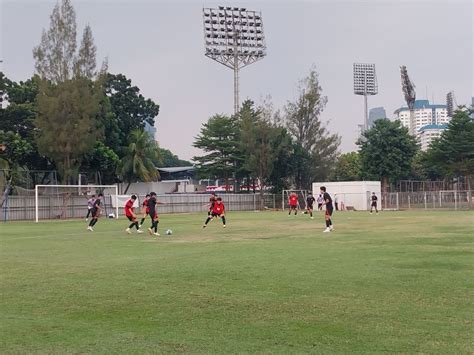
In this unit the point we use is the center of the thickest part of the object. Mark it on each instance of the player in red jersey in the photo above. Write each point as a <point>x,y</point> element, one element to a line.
<point>212,202</point>
<point>145,209</point>
<point>293,202</point>
<point>218,210</point>
<point>130,213</point>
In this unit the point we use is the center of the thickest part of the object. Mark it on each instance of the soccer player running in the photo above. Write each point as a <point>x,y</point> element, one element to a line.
<point>329,209</point>
<point>132,217</point>
<point>374,203</point>
<point>95,211</point>
<point>90,203</point>
<point>145,209</point>
<point>152,211</point>
<point>218,210</point>
<point>309,204</point>
<point>293,202</point>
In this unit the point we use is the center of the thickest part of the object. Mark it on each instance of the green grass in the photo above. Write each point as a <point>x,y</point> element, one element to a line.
<point>397,282</point>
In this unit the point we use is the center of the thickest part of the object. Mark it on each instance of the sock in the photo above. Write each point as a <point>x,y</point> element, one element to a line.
<point>91,223</point>
<point>330,221</point>
<point>327,223</point>
<point>94,221</point>
<point>131,225</point>
<point>208,220</point>
<point>143,220</point>
<point>223,220</point>
<point>311,214</point>
<point>289,213</point>
<point>137,226</point>
<point>156,227</point>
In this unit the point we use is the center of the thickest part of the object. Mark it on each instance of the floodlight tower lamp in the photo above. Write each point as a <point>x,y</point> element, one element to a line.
<point>234,37</point>
<point>365,84</point>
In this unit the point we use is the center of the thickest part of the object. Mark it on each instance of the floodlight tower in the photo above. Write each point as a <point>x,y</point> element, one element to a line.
<point>365,83</point>
<point>234,37</point>
<point>410,96</point>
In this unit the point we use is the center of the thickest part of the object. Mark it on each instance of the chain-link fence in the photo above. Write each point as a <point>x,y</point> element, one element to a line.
<point>429,200</point>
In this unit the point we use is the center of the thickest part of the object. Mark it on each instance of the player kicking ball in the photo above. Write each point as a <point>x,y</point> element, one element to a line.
<point>218,210</point>
<point>132,217</point>
<point>329,209</point>
<point>145,210</point>
<point>152,211</point>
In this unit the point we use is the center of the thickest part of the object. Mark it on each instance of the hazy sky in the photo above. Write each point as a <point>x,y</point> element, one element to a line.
<point>160,46</point>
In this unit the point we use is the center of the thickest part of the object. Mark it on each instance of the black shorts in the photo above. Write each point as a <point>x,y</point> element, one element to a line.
<point>95,212</point>
<point>293,207</point>
<point>329,210</point>
<point>213,214</point>
<point>374,204</point>
<point>131,219</point>
<point>309,207</point>
<point>153,214</point>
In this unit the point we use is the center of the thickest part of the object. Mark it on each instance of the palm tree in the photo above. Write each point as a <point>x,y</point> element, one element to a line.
<point>140,155</point>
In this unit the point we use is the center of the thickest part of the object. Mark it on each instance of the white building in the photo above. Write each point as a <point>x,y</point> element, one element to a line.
<point>353,195</point>
<point>428,133</point>
<point>425,114</point>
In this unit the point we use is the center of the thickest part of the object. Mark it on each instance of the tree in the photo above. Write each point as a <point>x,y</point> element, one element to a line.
<point>130,108</point>
<point>386,152</point>
<point>103,162</point>
<point>348,168</point>
<point>137,164</point>
<point>303,122</point>
<point>217,138</point>
<point>257,137</point>
<point>168,159</point>
<point>282,145</point>
<point>69,92</point>
<point>453,152</point>
<point>12,158</point>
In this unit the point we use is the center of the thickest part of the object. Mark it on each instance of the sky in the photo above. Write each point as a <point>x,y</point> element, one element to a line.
<point>160,46</point>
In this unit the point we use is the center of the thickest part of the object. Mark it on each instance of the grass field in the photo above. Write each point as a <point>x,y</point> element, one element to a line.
<point>397,282</point>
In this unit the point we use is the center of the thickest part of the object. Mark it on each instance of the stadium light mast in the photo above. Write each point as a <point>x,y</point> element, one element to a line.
<point>410,96</point>
<point>365,83</point>
<point>233,37</point>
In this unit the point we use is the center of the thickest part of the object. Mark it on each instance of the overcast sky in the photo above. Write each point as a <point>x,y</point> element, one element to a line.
<point>160,46</point>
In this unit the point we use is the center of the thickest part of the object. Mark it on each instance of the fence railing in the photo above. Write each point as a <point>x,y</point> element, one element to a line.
<point>55,207</point>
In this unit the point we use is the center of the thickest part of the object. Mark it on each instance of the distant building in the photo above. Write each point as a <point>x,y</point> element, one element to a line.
<point>150,129</point>
<point>425,114</point>
<point>472,108</point>
<point>375,114</point>
<point>428,133</point>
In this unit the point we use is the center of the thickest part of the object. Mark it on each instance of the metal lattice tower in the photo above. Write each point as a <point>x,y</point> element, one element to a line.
<point>410,96</point>
<point>234,37</point>
<point>365,83</point>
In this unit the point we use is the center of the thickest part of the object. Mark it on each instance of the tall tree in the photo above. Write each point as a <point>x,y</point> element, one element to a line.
<point>130,108</point>
<point>85,65</point>
<point>386,152</point>
<point>218,139</point>
<point>102,162</point>
<point>453,152</point>
<point>348,168</point>
<point>303,121</point>
<point>66,123</point>
<point>137,164</point>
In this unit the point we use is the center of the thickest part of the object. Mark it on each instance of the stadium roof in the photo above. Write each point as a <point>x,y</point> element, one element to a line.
<point>177,169</point>
<point>420,104</point>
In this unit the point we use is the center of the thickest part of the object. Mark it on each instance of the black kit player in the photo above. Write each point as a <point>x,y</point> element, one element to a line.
<point>132,217</point>
<point>145,209</point>
<point>309,204</point>
<point>152,211</point>
<point>374,203</point>
<point>95,211</point>
<point>329,209</point>
<point>218,210</point>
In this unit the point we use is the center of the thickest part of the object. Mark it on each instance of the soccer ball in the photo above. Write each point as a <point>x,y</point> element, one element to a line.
<point>169,232</point>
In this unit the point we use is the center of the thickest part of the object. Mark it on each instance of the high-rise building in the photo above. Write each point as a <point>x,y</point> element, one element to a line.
<point>150,129</point>
<point>375,114</point>
<point>426,134</point>
<point>425,114</point>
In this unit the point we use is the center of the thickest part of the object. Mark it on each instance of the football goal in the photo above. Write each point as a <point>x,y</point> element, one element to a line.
<point>71,201</point>
<point>301,194</point>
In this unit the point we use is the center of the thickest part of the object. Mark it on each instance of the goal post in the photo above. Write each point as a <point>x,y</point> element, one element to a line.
<point>65,192</point>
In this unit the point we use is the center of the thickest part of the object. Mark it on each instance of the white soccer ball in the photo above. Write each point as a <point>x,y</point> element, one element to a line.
<point>169,232</point>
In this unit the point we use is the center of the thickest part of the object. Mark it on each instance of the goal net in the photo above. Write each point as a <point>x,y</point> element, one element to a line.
<point>301,194</point>
<point>72,201</point>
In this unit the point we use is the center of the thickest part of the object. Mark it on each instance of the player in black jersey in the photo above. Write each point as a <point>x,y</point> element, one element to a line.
<point>329,209</point>
<point>374,203</point>
<point>309,204</point>
<point>152,211</point>
<point>95,211</point>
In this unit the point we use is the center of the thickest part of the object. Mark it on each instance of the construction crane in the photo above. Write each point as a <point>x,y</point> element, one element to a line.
<point>410,96</point>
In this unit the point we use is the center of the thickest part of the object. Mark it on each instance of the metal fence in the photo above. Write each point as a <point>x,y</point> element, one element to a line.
<point>452,199</point>
<point>69,207</point>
